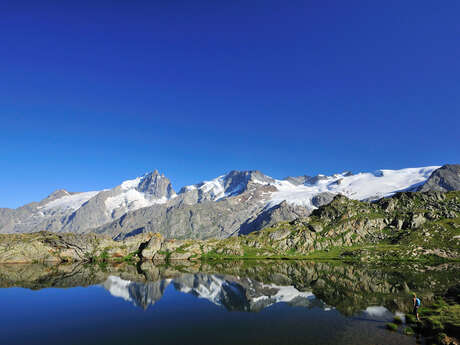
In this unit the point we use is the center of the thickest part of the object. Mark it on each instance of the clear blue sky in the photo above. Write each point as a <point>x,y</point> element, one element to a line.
<point>94,92</point>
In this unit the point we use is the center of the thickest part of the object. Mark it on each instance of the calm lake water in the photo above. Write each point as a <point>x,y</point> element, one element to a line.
<point>242,302</point>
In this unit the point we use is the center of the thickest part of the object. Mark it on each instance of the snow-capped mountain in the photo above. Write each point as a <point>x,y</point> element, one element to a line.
<point>234,203</point>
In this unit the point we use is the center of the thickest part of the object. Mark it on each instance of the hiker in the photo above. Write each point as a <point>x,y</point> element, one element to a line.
<point>416,305</point>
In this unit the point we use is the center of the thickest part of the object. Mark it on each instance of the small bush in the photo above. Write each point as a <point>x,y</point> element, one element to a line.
<point>410,318</point>
<point>392,326</point>
<point>408,331</point>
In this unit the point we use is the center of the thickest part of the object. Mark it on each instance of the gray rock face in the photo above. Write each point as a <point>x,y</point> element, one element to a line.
<point>297,180</point>
<point>315,179</point>
<point>156,185</point>
<point>444,179</point>
<point>322,199</point>
<point>232,216</point>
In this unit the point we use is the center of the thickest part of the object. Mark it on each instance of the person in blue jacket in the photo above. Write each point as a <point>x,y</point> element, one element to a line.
<point>416,306</point>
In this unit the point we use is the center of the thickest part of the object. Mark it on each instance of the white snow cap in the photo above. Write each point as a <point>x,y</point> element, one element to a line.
<point>362,186</point>
<point>70,201</point>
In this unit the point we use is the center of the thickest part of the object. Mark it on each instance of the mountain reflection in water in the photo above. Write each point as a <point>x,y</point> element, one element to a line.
<point>229,292</point>
<point>244,302</point>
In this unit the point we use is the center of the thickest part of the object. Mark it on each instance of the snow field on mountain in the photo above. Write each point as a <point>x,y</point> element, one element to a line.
<point>214,187</point>
<point>362,186</point>
<point>130,200</point>
<point>71,201</point>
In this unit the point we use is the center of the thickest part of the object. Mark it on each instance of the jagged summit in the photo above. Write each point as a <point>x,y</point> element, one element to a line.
<point>233,183</point>
<point>156,185</point>
<point>58,193</point>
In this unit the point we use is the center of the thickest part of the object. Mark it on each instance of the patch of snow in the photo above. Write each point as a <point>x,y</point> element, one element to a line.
<point>260,182</point>
<point>214,187</point>
<point>362,186</point>
<point>216,190</point>
<point>129,184</point>
<point>130,199</point>
<point>70,202</point>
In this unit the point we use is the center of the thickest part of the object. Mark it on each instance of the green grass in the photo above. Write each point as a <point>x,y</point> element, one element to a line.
<point>392,326</point>
<point>410,318</point>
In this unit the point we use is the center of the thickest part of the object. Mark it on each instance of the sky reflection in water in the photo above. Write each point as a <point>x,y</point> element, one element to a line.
<point>208,308</point>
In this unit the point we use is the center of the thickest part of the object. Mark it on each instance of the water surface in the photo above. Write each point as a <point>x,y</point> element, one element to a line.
<point>240,302</point>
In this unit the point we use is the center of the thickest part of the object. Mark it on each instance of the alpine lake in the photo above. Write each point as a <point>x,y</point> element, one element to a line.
<point>268,302</point>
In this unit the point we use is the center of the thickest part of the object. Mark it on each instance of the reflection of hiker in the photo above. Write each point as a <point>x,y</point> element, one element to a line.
<point>416,305</point>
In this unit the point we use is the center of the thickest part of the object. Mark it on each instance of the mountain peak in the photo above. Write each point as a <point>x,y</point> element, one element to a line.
<point>156,185</point>
<point>58,193</point>
<point>446,178</point>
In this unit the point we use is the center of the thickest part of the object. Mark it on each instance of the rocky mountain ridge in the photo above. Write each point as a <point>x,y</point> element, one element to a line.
<point>233,204</point>
<point>406,226</point>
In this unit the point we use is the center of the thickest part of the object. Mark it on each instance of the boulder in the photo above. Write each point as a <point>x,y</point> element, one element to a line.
<point>152,247</point>
<point>417,220</point>
<point>280,234</point>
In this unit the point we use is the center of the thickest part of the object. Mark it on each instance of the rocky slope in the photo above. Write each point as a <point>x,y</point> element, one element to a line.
<point>407,226</point>
<point>48,247</point>
<point>444,179</point>
<point>233,204</point>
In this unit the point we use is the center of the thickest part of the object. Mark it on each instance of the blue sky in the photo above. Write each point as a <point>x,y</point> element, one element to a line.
<point>93,93</point>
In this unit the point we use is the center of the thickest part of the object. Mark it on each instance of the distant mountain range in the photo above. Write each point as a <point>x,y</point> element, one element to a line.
<point>238,202</point>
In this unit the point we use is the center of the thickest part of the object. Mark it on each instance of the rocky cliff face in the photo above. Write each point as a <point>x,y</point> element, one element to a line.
<point>444,179</point>
<point>156,186</point>
<point>47,247</point>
